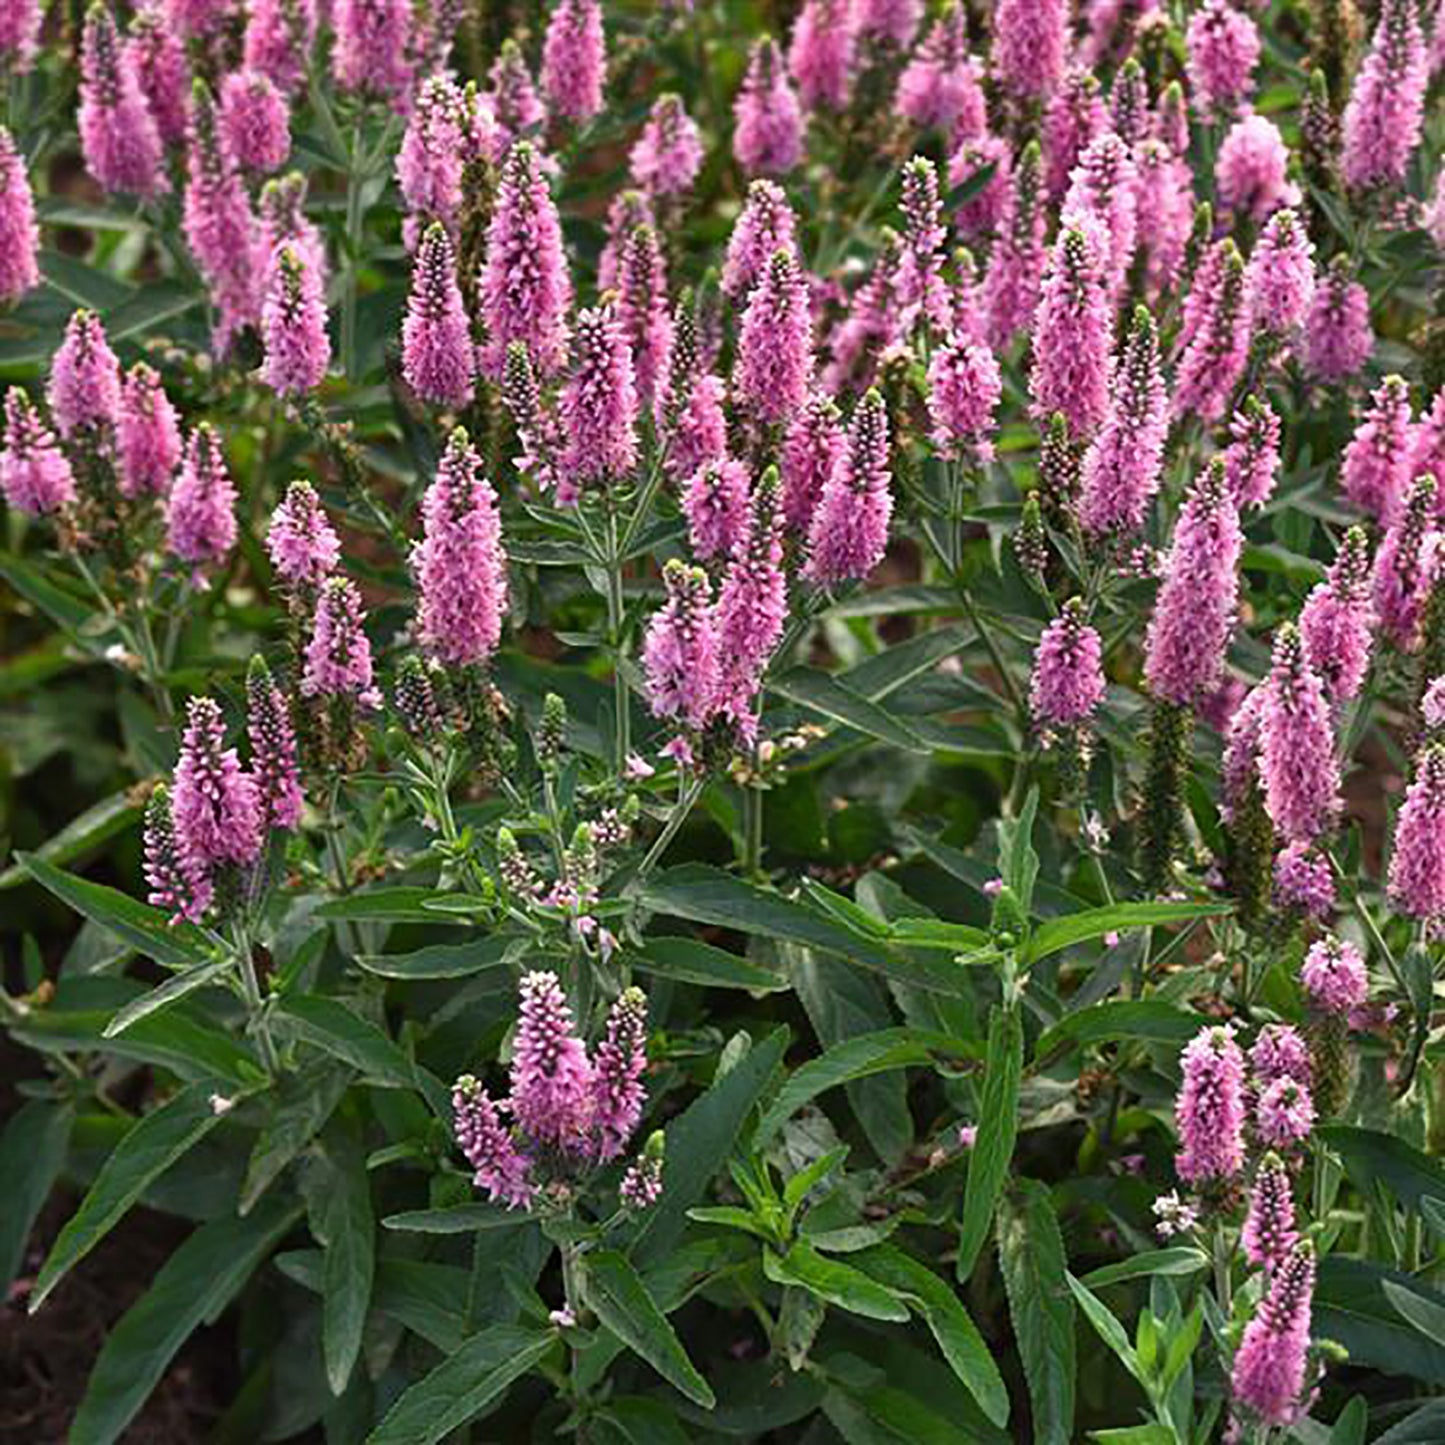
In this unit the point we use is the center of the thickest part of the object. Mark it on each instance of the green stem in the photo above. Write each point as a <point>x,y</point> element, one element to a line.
<point>255,1006</point>
<point>355,177</point>
<point>615,614</point>
<point>688,792</point>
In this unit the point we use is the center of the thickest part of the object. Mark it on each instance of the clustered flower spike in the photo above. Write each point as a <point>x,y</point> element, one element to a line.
<point>302,544</point>
<point>293,326</point>
<point>940,86</point>
<point>1386,110</point>
<point>1279,282</point>
<point>618,1066</point>
<point>775,345</point>
<point>1406,566</point>
<point>279,36</point>
<point>201,511</point>
<point>460,567</point>
<point>147,434</point>
<point>275,770</point>
<point>964,387</point>
<point>338,656</point>
<point>1073,333</point>
<point>1209,1111</point>
<point>35,476</point>
<point>680,651</point>
<point>20,23</point>
<point>213,803</point>
<point>19,235</point>
<point>1333,976</point>
<point>438,359</point>
<point>500,1167</point>
<point>83,391</point>
<point>643,310</point>
<point>768,123</point>
<point>118,134</point>
<point>1030,39</point>
<point>1224,48</point>
<point>552,1078</point>
<point>431,159</point>
<point>1417,862</point>
<point>1252,456</point>
<point>821,54</point>
<point>1269,1235</point>
<point>1269,1367</point>
<point>1218,340</point>
<point>1068,676</point>
<point>574,59</point>
<point>372,53</point>
<point>162,69</point>
<point>1336,621</point>
<point>255,123</point>
<point>599,406</point>
<point>668,155</point>
<point>849,533</point>
<point>765,226</point>
<point>1375,468</point>
<point>812,449</point>
<point>1338,337</point>
<point>1297,746</point>
<point>176,885</point>
<point>716,506</point>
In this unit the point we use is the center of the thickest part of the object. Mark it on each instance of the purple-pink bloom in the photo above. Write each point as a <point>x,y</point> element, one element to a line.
<point>1194,610</point>
<point>1279,1052</point>
<point>964,387</point>
<point>432,156</point>
<point>621,1059</point>
<point>20,22</point>
<point>574,59</point>
<point>164,73</point>
<point>1298,766</point>
<point>1337,618</point>
<point>1250,170</point>
<point>821,54</point>
<point>1285,1113</point>
<point>1209,1111</point>
<point>197,19</point>
<point>499,1166</point>
<point>716,506</point>
<point>849,533</point>
<point>1406,567</point>
<point>1218,348</point>
<point>147,434</point>
<point>1385,114</point>
<point>765,226</point>
<point>940,86</point>
<point>19,235</point>
<point>1011,286</point>
<point>1252,457</point>
<point>279,36</point>
<point>774,367</point>
<point>768,123</point>
<point>1068,673</point>
<point>985,213</point>
<point>1375,470</point>
<point>688,411</point>
<point>552,1078</point>
<point>34,474</point>
<point>1269,1234</point>
<point>175,883</point>
<point>517,108</point>
<point>1417,861</point>
<point>201,509</point>
<point>284,222</point>
<point>921,293</point>
<point>1338,335</point>
<point>255,122</point>
<point>1268,1378</point>
<point>1279,282</point>
<point>1304,881</point>
<point>525,288</point>
<point>1239,769</point>
<point>1105,186</point>
<point>275,770</point>
<point>643,311</point>
<point>1165,191</point>
<point>812,448</point>
<point>301,542</point>
<point>1074,334</point>
<point>889,22</point>
<point>293,326</point>
<point>437,355</point>
<point>598,406</point>
<point>1333,975</point>
<point>338,655</point>
<point>1224,48</point>
<point>667,156</point>
<point>372,51</point>
<point>1074,116</point>
<point>1030,44</point>
<point>118,134</point>
<point>680,652</point>
<point>213,803</point>
<point>83,390</point>
<point>460,565</point>
<point>641,1186</point>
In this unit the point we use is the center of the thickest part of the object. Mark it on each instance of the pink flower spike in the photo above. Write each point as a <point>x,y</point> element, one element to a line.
<point>598,407</point>
<point>214,804</point>
<point>500,1167</point>
<point>438,359</point>
<point>1285,1114</point>
<point>293,326</point>
<point>84,386</point>
<point>1406,567</point>
<point>1279,282</point>
<point>1337,619</point>
<point>643,311</point>
<point>255,122</point>
<point>1375,471</point>
<point>768,129</point>
<point>822,54</point>
<point>35,477</point>
<point>372,51</point>
<point>1250,170</point>
<point>1224,48</point>
<point>716,505</point>
<point>1300,771</point>
<point>849,534</point>
<point>775,346</point>
<point>20,22</point>
<point>1333,976</point>
<point>765,226</point>
<point>1209,1111</point>
<point>1338,336</point>
<point>338,656</point>
<point>574,60</point>
<point>1068,678</point>
<point>275,770</point>
<point>1385,115</point>
<point>1030,42</point>
<point>812,448</point>
<point>148,434</point>
<point>940,88</point>
<point>964,388</point>
<point>1073,333</point>
<point>680,651</point>
<point>552,1078</point>
<point>1417,860</point>
<point>118,134</point>
<point>303,547</point>
<point>279,36</point>
<point>19,235</point>
<point>1268,1379</point>
<point>668,154</point>
<point>201,510</point>
<point>1269,1235</point>
<point>163,71</point>
<point>1251,459</point>
<point>176,884</point>
<point>617,1092</point>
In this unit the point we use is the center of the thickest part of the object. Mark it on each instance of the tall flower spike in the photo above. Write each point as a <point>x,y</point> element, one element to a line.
<point>1406,567</point>
<point>460,567</point>
<point>1209,1111</point>
<point>716,505</point>
<point>438,359</point>
<point>1268,1379</point>
<point>1374,472</point>
<point>1166,213</point>
<point>850,528</point>
<point>1215,356</point>
<point>821,54</point>
<point>643,310</point>
<point>274,767</point>
<point>1269,1235</point>
<point>1068,678</point>
<point>628,211</point>
<point>668,155</point>
<point>985,165</point>
<point>1337,617</point>
<point>20,23</point>
<point>752,608</point>
<point>1224,48</point>
<point>34,474</point>
<point>768,124</point>
<point>887,22</point>
<point>293,326</point>
<point>552,1078</point>
<point>1124,463</point>
<point>255,122</point>
<point>118,134</point>
<point>765,226</point>
<point>1386,112</point>
<point>500,1167</point>
<point>1194,611</point>
<point>83,390</point>
<point>574,59</point>
<point>1073,335</point>
<point>922,293</point>
<point>1252,457</point>
<point>1333,976</point>
<point>283,222</point>
<point>279,36</point>
<point>775,346</point>
<point>1030,44</point>
<point>525,288</point>
<point>1297,746</point>
<point>19,235</point>
<point>338,656</point>
<point>964,388</point>
<point>518,108</point>
<point>213,804</point>
<point>680,652</point>
<point>1250,173</point>
<point>940,86</point>
<point>201,510</point>
<point>147,435</point>
<point>1279,282</point>
<point>1015,273</point>
<point>431,159</point>
<point>1074,116</point>
<point>162,70</point>
<point>303,547</point>
<point>1417,862</point>
<point>372,50</point>
<point>1338,335</point>
<point>689,409</point>
<point>598,406</point>
<point>812,449</point>
<point>1104,186</point>
<point>1279,1052</point>
<point>617,1092</point>
<point>176,884</point>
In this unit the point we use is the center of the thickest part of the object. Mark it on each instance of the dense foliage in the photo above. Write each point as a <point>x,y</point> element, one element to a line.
<point>722,738</point>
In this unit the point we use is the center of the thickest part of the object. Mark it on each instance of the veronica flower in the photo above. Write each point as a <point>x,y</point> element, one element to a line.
<point>598,406</point>
<point>1074,116</point>
<point>1209,1111</point>
<point>201,509</point>
<point>621,1058</point>
<point>255,123</point>
<point>176,884</point>
<point>213,803</point>
<point>19,235</point>
<point>552,1078</point>
<point>988,159</point>
<point>148,434</point>
<point>83,390</point>
<point>689,407</point>
<point>1279,1052</point>
<point>338,656</point>
<point>922,294</point>
<point>574,59</point>
<point>680,651</point>
<point>1406,567</point>
<point>765,226</point>
<point>716,506</point>
<point>438,358</point>
<point>1073,334</point>
<point>1030,41</point>
<point>890,22</point>
<point>500,1167</point>
<point>870,325</point>
<point>1374,471</point>
<point>20,23</point>
<point>964,388</point>
<point>813,446</point>
<point>1269,1367</point>
<point>940,88</point>
<point>275,771</point>
<point>1269,1234</point>
<point>279,36</point>
<point>1417,860</point>
<point>1249,171</point>
<point>1386,110</point>
<point>768,124</point>
<point>1338,336</point>
<point>1279,282</point>
<point>1068,676</point>
<point>1014,278</point>
<point>35,477</point>
<point>196,19</point>
<point>1252,457</point>
<point>293,326</point>
<point>162,71</point>
<point>432,156</point>
<point>1104,186</point>
<point>118,134</point>
<point>283,222</point>
<point>821,54</point>
<point>301,542</point>
<point>1297,746</point>
<point>460,566</point>
<point>1224,48</point>
<point>849,533</point>
<point>1304,881</point>
<point>1336,620</point>
<point>1165,205</point>
<point>1217,351</point>
<point>515,103</point>
<point>1333,976</point>
<point>775,346</point>
<point>642,310</point>
<point>667,156</point>
<point>371,53</point>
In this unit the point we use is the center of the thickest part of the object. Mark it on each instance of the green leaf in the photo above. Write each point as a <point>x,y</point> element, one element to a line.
<point>173,989</point>
<point>32,1151</point>
<point>146,929</point>
<point>831,1280</point>
<point>61,606</point>
<point>459,1219</point>
<point>301,1103</point>
<point>1351,1423</point>
<point>1425,1426</point>
<point>836,701</point>
<point>89,830</point>
<point>463,1387</point>
<point>957,1336</point>
<point>992,1152</point>
<point>1428,1316</point>
<point>1109,1329</point>
<point>340,1198</point>
<point>194,1286</point>
<point>1151,1434</point>
<point>1033,1263</point>
<point>1351,1306</point>
<point>688,960</point>
<point>156,303</point>
<point>1060,933</point>
<point>856,1058</point>
<point>445,960</point>
<point>621,1301</point>
<point>936,933</point>
<point>1180,1259</point>
<point>1018,862</point>
<point>1371,1157</point>
<point>148,1149</point>
<point>1122,1019</point>
<point>638,1420</point>
<point>388,905</point>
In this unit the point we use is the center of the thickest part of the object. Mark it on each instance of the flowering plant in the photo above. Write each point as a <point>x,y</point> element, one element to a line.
<point>715,734</point>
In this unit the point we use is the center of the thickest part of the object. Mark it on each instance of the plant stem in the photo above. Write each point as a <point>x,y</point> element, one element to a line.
<point>255,1006</point>
<point>688,792</point>
<point>355,177</point>
<point>615,614</point>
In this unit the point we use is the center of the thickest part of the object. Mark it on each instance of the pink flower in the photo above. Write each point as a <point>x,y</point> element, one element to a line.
<point>176,884</point>
<point>118,134</point>
<point>940,86</point>
<point>1285,1114</point>
<point>1417,862</point>
<point>372,52</point>
<point>196,19</point>
<point>984,214</point>
<point>432,155</point>
<point>680,652</point>
<point>1014,279</point>
<point>1386,110</point>
<point>716,504</point>
<point>891,22</point>
<point>1123,465</point>
<point>525,288</point>
<point>849,533</point>
<point>460,566</point>
<point>1298,766</point>
<point>275,771</point>
<point>517,108</point>
<point>20,22</point>
<point>621,1058</point>
<point>1336,620</point>
<point>668,154</point>
<point>1030,40</point>
<point>279,36</point>
<point>1375,470</point>
<point>213,804</point>
<point>1303,881</point>
<point>964,388</point>
<point>500,1167</point>
<point>775,346</point>
<point>255,122</point>
<point>812,447</point>
<point>34,474</point>
<point>765,226</point>
<point>201,510</point>
<point>1269,1367</point>
<point>1279,1053</point>
<point>338,656</point>
<point>148,434</point>
<point>768,125</point>
<point>1166,212</point>
<point>19,235</point>
<point>1209,1111</point>
<point>552,1078</point>
<point>598,406</point>
<point>1249,171</point>
<point>1406,567</point>
<point>1194,610</point>
<point>642,310</point>
<point>1279,282</point>
<point>822,52</point>
<point>1252,457</point>
<point>162,70</point>
<point>438,358</point>
<point>1073,334</point>
<point>1217,326</point>
<point>641,1186</point>
<point>1074,116</point>
<point>574,59</point>
<point>1104,186</point>
<point>303,547</point>
<point>84,386</point>
<point>1239,773</point>
<point>293,326</point>
<point>1338,337</point>
<point>1068,676</point>
<point>1333,975</point>
<point>1223,51</point>
<point>689,408</point>
<point>284,223</point>
<point>1269,1234</point>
